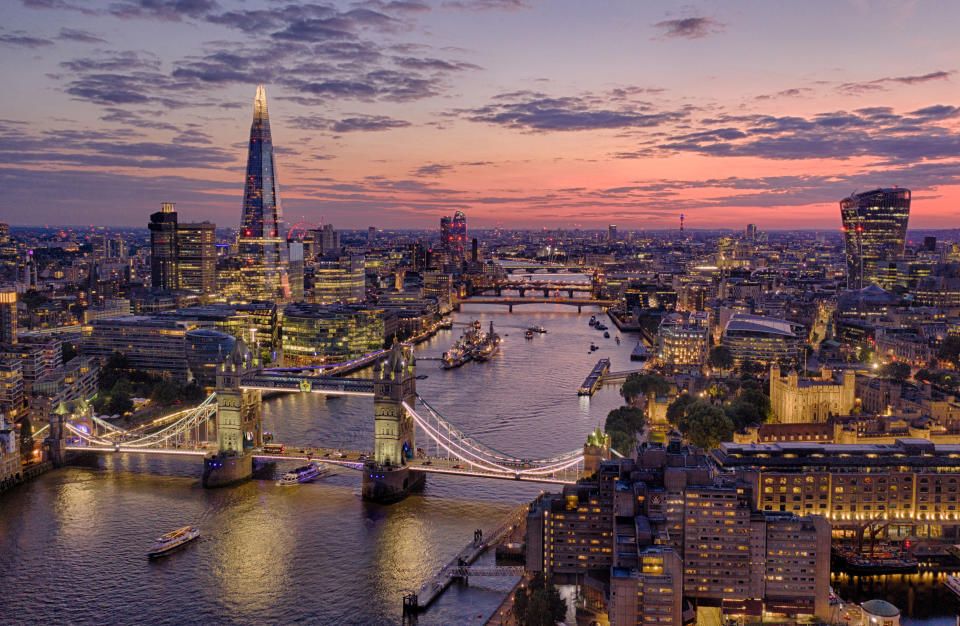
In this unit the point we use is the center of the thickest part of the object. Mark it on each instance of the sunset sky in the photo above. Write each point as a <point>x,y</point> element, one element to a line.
<point>518,112</point>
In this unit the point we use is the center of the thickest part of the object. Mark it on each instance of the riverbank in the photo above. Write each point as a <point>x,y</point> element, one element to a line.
<point>27,474</point>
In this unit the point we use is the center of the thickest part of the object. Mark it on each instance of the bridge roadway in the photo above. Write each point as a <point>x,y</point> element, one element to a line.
<point>329,385</point>
<point>354,459</point>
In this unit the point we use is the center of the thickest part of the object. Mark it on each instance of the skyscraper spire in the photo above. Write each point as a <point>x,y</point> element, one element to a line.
<point>261,245</point>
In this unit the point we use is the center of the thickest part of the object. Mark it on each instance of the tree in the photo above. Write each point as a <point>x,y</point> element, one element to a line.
<point>750,367</point>
<point>678,408</point>
<point>950,350</point>
<point>706,425</point>
<point>165,393</point>
<point>69,351</point>
<point>540,604</point>
<point>896,371</point>
<point>622,425</point>
<point>721,358</point>
<point>640,385</point>
<point>759,400</point>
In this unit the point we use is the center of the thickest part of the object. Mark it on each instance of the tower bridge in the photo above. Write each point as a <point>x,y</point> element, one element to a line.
<point>391,469</point>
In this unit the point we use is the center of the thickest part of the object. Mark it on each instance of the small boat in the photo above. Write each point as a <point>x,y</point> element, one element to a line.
<point>606,334</point>
<point>953,584</point>
<point>528,334</point>
<point>537,329</point>
<point>593,320</point>
<point>165,544</point>
<point>303,474</point>
<point>618,340</point>
<point>594,347</point>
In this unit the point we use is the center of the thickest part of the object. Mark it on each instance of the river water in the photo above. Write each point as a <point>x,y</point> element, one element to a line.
<point>73,542</point>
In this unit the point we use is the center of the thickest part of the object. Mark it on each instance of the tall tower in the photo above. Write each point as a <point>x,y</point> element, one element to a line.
<point>260,243</point>
<point>386,478</point>
<point>874,232</point>
<point>163,248</point>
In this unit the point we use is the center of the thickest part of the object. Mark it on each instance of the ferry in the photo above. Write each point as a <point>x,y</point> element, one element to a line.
<point>455,357</point>
<point>537,329</point>
<point>953,584</point>
<point>166,544</point>
<point>882,562</point>
<point>303,474</point>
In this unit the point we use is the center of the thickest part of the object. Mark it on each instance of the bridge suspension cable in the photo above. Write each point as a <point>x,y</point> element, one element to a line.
<point>191,419</point>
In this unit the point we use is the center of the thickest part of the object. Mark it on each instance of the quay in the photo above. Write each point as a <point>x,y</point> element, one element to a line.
<point>458,566</point>
<point>594,379</point>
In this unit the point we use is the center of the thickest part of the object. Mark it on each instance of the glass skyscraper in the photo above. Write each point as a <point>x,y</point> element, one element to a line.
<point>260,243</point>
<point>453,236</point>
<point>874,231</point>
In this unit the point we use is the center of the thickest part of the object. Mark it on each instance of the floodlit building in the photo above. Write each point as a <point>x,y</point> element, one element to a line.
<point>874,232</point>
<point>796,401</point>
<point>340,280</point>
<point>314,334</point>
<point>684,341</point>
<point>763,339</point>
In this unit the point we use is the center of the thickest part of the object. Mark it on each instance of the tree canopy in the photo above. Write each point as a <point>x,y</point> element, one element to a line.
<point>721,357</point>
<point>539,604</point>
<point>638,385</point>
<point>897,371</point>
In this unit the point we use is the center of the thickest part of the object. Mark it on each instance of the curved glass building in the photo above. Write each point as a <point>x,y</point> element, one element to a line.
<point>206,348</point>
<point>874,231</point>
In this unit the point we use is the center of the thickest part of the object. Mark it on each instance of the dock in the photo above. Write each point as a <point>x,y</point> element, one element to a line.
<point>459,564</point>
<point>594,379</point>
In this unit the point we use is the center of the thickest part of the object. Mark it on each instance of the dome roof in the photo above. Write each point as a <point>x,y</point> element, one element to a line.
<point>880,608</point>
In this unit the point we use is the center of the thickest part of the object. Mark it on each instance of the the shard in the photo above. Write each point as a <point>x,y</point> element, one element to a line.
<point>261,244</point>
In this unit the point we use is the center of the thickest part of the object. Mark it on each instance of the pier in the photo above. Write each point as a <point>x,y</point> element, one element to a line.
<point>594,379</point>
<point>459,565</point>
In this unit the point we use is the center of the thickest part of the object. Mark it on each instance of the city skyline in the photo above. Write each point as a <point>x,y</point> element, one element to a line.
<point>518,113</point>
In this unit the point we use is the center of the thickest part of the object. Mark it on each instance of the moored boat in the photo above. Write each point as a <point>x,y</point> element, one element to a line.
<point>528,334</point>
<point>165,544</point>
<point>953,584</point>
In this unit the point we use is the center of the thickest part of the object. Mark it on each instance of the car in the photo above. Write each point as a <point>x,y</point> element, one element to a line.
<point>327,455</point>
<point>458,466</point>
<point>428,462</point>
<point>363,457</point>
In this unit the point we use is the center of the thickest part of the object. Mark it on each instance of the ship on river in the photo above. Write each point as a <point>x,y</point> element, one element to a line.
<point>473,345</point>
<point>488,346</point>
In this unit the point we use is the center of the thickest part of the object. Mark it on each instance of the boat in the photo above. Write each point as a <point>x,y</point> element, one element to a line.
<point>594,347</point>
<point>454,357</point>
<point>593,320</point>
<point>488,346</point>
<point>537,329</point>
<point>528,334</point>
<point>618,340</point>
<point>600,326</point>
<point>953,584</point>
<point>304,474</point>
<point>606,334</point>
<point>165,544</point>
<point>885,562</point>
<point>640,353</point>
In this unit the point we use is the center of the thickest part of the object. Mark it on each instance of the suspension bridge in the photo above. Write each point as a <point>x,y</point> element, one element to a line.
<point>225,429</point>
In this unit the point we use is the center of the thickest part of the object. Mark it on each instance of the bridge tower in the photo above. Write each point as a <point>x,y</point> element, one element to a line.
<point>386,477</point>
<point>55,443</point>
<point>238,421</point>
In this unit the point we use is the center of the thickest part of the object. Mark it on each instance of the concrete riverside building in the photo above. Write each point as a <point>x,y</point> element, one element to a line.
<point>913,484</point>
<point>646,534</point>
<point>796,401</point>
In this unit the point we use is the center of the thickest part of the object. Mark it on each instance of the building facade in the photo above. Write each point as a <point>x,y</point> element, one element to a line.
<point>763,339</point>
<point>684,342</point>
<point>874,232</point>
<point>340,280</point>
<point>314,334</point>
<point>796,401</point>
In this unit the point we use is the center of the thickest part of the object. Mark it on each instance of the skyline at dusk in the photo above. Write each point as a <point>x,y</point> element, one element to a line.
<point>519,113</point>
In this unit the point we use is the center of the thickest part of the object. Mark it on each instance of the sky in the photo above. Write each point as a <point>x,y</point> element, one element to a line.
<point>521,113</point>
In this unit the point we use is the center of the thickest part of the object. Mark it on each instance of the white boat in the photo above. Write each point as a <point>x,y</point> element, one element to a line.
<point>173,540</point>
<point>303,474</point>
<point>953,584</point>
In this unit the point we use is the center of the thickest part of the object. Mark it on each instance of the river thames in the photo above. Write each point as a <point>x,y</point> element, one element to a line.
<point>73,542</point>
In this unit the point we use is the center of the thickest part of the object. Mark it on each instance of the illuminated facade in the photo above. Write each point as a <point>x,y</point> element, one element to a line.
<point>163,248</point>
<point>684,341</point>
<point>11,387</point>
<point>453,236</point>
<point>8,316</point>
<point>260,243</point>
<point>148,343</point>
<point>760,338</point>
<point>340,280</point>
<point>182,256</point>
<point>875,231</point>
<point>912,483</point>
<point>796,401</point>
<point>314,334</point>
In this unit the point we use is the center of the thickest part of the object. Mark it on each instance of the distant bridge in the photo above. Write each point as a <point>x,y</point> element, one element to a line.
<point>510,302</point>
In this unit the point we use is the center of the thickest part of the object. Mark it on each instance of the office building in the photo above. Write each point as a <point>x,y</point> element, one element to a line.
<point>763,339</point>
<point>453,236</point>
<point>261,246</point>
<point>197,257</point>
<point>612,232</point>
<point>796,401</point>
<point>149,343</point>
<point>163,248</point>
<point>913,485</point>
<point>340,280</point>
<point>8,315</point>
<point>751,232</point>
<point>314,334</point>
<point>295,252</point>
<point>10,472</point>
<point>874,232</point>
<point>684,340</point>
<point>11,387</point>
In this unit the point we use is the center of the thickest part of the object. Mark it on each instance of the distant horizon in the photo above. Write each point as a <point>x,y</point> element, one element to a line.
<point>515,111</point>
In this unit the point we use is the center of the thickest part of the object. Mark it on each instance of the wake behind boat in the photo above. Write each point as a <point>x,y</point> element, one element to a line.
<point>165,544</point>
<point>303,474</point>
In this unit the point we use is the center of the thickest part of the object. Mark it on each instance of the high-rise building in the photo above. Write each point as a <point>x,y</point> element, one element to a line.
<point>163,248</point>
<point>4,232</point>
<point>340,280</point>
<point>329,240</point>
<point>197,257</point>
<point>751,232</point>
<point>453,236</point>
<point>261,245</point>
<point>875,231</point>
<point>8,316</point>
<point>371,235</point>
<point>612,232</point>
<point>295,269</point>
<point>182,256</point>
